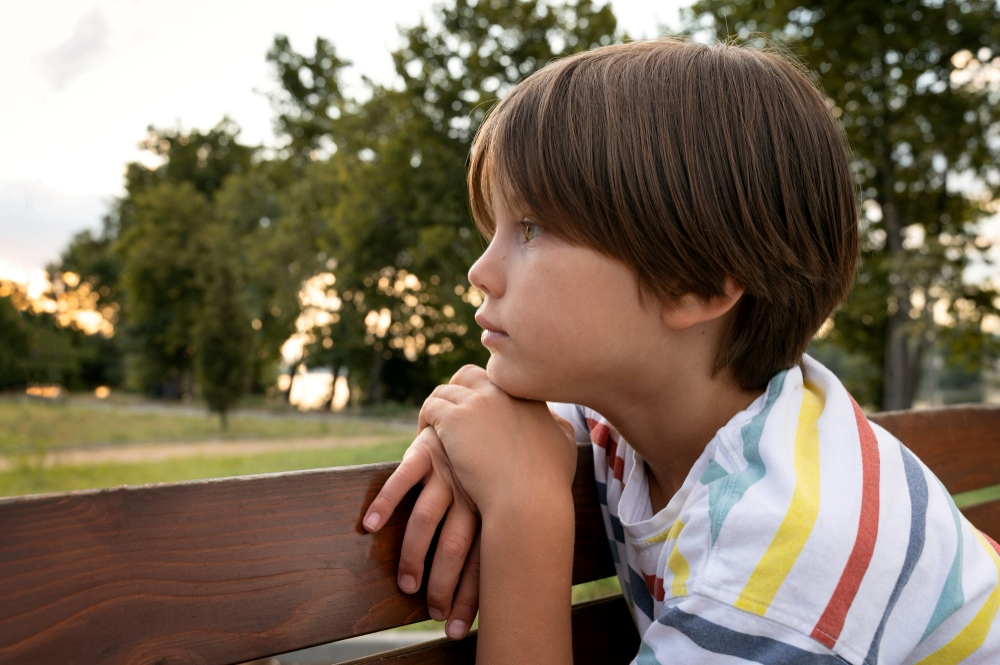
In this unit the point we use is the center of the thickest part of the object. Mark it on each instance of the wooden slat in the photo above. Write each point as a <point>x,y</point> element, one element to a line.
<point>986,517</point>
<point>603,633</point>
<point>961,445</point>
<point>219,571</point>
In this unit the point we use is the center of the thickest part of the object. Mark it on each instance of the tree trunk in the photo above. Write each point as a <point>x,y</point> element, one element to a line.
<point>376,391</point>
<point>896,379</point>
<point>899,371</point>
<point>223,420</point>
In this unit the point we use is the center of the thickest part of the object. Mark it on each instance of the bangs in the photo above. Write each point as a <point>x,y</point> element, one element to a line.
<point>514,164</point>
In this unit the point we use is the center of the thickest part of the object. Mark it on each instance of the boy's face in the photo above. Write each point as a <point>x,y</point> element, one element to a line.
<point>562,322</point>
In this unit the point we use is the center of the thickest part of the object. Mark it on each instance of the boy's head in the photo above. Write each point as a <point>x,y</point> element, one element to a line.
<point>688,163</point>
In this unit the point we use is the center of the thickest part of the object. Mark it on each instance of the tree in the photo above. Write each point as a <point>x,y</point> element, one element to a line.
<point>222,336</point>
<point>163,252</point>
<point>908,83</point>
<point>15,344</point>
<point>401,231</point>
<point>154,249</point>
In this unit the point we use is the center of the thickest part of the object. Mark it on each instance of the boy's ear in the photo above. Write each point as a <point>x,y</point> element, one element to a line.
<point>690,310</point>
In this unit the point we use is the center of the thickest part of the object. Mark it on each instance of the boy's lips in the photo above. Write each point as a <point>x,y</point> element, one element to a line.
<point>491,331</point>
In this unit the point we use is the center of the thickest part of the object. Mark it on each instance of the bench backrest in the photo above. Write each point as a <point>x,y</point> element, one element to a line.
<point>228,570</point>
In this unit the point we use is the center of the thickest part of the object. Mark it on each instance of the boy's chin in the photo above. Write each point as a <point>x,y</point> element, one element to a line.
<point>516,383</point>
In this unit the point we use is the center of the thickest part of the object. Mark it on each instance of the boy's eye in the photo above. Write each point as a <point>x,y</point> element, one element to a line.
<point>530,230</point>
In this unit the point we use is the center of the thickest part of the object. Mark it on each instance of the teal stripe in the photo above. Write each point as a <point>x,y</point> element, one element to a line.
<point>713,473</point>
<point>646,656</point>
<point>952,597</point>
<point>726,491</point>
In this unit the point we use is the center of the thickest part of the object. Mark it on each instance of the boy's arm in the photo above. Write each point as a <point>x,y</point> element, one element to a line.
<point>518,464</point>
<point>525,584</point>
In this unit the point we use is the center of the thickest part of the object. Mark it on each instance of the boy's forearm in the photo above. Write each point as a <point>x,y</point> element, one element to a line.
<point>525,584</point>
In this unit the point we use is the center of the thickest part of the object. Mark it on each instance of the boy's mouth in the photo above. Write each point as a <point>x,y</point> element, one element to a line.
<point>491,332</point>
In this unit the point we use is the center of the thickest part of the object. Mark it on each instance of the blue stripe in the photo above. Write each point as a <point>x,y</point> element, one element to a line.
<point>641,598</point>
<point>713,473</point>
<point>917,485</point>
<point>754,648</point>
<point>614,550</point>
<point>616,529</point>
<point>646,656</point>
<point>952,598</point>
<point>725,492</point>
<point>602,493</point>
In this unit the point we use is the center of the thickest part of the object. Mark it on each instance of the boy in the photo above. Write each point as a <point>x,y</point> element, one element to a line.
<point>669,225</point>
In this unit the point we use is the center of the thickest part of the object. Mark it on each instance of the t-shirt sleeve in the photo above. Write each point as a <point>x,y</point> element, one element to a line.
<point>700,631</point>
<point>573,413</point>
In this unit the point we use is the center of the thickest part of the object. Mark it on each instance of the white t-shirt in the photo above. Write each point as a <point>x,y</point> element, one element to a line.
<point>803,534</point>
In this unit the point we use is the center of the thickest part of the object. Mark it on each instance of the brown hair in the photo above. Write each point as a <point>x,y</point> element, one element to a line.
<point>687,163</point>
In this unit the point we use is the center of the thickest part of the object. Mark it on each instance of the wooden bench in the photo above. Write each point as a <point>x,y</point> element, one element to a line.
<point>231,570</point>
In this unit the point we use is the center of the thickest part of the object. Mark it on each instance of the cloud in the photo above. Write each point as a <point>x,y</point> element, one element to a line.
<point>78,54</point>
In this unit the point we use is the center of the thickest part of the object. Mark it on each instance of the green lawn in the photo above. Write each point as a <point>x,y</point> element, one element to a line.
<point>29,477</point>
<point>31,426</point>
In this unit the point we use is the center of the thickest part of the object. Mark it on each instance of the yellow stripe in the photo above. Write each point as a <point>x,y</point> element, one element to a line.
<point>974,634</point>
<point>677,564</point>
<point>672,532</point>
<point>798,523</point>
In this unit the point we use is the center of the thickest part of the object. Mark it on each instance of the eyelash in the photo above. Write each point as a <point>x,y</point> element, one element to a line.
<point>530,230</point>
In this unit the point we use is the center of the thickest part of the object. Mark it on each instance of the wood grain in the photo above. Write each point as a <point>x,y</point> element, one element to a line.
<point>961,445</point>
<point>603,634</point>
<point>218,571</point>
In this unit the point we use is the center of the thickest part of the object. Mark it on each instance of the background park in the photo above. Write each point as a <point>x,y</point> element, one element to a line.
<point>233,283</point>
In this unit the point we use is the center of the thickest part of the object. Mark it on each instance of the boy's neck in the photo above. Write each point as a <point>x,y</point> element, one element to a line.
<point>669,423</point>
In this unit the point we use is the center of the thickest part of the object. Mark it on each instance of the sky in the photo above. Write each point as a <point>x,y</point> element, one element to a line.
<point>80,81</point>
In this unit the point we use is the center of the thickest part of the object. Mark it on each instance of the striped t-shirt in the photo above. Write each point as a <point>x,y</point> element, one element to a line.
<point>803,534</point>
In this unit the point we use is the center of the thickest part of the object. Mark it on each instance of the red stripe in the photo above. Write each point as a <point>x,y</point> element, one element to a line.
<point>619,469</point>
<point>613,452</point>
<point>655,585</point>
<point>991,542</point>
<point>830,624</point>
<point>598,432</point>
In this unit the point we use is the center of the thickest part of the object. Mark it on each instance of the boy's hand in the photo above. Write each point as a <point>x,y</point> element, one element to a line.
<point>453,585</point>
<point>505,452</point>
<point>516,440</point>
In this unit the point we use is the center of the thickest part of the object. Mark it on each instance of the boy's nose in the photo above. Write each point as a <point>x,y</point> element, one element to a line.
<point>485,274</point>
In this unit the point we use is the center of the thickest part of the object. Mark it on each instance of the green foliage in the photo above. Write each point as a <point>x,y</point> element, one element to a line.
<point>222,338</point>
<point>163,252</point>
<point>34,349</point>
<point>903,78</point>
<point>15,342</point>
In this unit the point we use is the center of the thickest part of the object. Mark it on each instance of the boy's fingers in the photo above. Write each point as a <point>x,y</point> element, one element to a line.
<point>466,603</point>
<point>441,398</point>
<point>470,376</point>
<point>414,468</point>
<point>434,409</point>
<point>453,546</point>
<point>430,508</point>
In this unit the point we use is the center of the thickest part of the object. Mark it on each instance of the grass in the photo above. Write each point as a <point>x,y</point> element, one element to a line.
<point>29,477</point>
<point>974,497</point>
<point>32,426</point>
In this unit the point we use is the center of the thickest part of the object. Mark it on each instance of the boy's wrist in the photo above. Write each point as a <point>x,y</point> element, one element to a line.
<point>536,504</point>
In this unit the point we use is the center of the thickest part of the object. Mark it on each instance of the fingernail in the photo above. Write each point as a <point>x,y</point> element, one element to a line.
<point>435,613</point>
<point>407,583</point>
<point>455,628</point>
<point>372,520</point>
